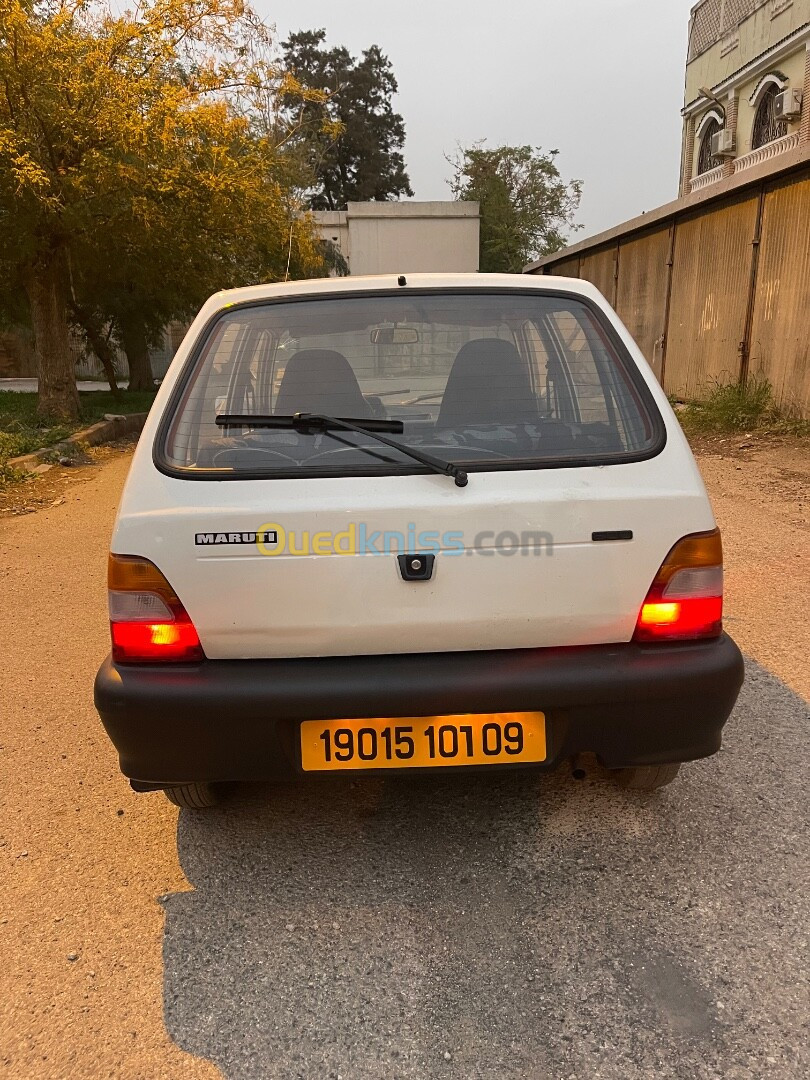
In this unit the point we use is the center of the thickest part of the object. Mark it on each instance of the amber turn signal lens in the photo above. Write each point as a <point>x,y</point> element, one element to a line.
<point>699,549</point>
<point>130,573</point>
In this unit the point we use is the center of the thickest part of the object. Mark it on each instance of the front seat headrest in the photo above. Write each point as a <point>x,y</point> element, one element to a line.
<point>320,381</point>
<point>488,384</point>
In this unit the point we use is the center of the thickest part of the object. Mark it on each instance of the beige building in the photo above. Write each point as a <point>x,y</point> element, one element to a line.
<point>747,95</point>
<point>714,286</point>
<point>404,237</point>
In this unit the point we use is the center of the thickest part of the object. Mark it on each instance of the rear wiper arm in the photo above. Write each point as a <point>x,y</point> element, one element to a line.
<point>310,422</point>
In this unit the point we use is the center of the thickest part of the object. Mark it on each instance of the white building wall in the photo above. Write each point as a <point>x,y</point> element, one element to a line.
<point>405,237</point>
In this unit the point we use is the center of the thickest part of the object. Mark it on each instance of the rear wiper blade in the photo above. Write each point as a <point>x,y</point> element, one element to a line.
<point>311,422</point>
<point>298,422</point>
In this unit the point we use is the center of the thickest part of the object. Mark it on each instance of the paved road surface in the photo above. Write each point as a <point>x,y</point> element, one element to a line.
<point>30,385</point>
<point>529,928</point>
<point>460,928</point>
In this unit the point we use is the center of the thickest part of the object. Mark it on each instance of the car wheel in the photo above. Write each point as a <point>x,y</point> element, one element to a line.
<point>647,777</point>
<point>192,796</point>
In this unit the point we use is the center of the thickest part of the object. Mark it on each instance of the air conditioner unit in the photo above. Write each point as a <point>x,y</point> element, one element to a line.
<point>723,143</point>
<point>788,104</point>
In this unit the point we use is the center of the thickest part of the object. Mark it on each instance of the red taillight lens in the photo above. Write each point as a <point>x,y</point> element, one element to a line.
<point>147,620</point>
<point>155,641</point>
<point>685,602</point>
<point>685,619</point>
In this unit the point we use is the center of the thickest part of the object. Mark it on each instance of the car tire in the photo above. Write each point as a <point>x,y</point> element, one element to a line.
<point>647,777</point>
<point>192,796</point>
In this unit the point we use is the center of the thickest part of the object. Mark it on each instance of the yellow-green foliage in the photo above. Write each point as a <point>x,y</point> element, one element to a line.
<point>156,119</point>
<point>145,161</point>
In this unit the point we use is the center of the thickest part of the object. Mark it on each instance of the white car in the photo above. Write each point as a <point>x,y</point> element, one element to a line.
<point>416,522</point>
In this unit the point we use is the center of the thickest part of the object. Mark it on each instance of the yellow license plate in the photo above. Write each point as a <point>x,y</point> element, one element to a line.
<point>423,742</point>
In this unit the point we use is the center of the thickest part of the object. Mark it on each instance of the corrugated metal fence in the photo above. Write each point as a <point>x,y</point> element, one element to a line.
<point>716,292</point>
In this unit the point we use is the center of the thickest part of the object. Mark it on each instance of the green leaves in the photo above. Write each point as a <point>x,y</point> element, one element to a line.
<point>351,140</point>
<point>526,207</point>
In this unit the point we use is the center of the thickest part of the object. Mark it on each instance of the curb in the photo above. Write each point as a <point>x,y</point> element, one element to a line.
<point>107,430</point>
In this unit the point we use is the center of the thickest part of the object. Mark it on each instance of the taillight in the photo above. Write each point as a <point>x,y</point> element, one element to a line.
<point>685,601</point>
<point>147,620</point>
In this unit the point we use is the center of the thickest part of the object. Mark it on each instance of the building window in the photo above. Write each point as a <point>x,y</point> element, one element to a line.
<point>706,160</point>
<point>778,6</point>
<point>766,126</point>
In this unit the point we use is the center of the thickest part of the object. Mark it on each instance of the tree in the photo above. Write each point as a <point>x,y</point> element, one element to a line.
<point>526,207</point>
<point>220,210</point>
<point>359,157</point>
<point>141,166</point>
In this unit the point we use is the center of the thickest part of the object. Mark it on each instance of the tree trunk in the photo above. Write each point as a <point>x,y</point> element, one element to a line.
<point>135,345</point>
<point>45,289</point>
<point>101,347</point>
<point>97,342</point>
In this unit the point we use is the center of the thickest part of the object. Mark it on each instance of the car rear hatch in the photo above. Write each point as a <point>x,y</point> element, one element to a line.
<point>280,543</point>
<point>517,562</point>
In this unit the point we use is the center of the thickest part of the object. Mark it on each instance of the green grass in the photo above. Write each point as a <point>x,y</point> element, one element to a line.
<point>739,408</point>
<point>21,431</point>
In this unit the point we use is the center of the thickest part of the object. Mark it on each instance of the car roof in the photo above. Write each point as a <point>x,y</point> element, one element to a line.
<point>345,286</point>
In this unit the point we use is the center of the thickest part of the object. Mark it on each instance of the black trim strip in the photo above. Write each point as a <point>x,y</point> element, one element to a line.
<point>617,534</point>
<point>513,465</point>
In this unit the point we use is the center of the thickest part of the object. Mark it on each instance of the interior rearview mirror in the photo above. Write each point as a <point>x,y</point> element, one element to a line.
<point>394,335</point>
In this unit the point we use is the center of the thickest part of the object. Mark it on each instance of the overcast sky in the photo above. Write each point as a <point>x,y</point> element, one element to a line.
<point>599,80</point>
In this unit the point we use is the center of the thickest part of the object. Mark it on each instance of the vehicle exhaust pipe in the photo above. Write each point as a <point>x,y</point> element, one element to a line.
<point>579,766</point>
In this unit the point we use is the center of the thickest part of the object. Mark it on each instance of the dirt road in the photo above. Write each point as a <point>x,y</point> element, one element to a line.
<point>761,499</point>
<point>84,860</point>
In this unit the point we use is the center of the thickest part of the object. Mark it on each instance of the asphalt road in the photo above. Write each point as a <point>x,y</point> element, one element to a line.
<point>30,385</point>
<point>496,927</point>
<point>513,928</point>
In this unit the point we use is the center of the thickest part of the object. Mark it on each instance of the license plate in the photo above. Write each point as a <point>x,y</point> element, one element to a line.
<point>423,742</point>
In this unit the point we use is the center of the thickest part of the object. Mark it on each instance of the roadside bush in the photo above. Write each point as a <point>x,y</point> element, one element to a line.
<point>741,407</point>
<point>24,441</point>
<point>22,431</point>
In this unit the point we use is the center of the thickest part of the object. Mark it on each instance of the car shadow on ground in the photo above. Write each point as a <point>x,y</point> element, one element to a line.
<point>502,925</point>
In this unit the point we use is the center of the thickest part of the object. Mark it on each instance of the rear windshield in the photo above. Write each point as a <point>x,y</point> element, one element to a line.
<point>484,380</point>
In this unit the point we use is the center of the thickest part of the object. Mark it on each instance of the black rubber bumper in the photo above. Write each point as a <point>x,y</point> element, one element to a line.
<point>239,719</point>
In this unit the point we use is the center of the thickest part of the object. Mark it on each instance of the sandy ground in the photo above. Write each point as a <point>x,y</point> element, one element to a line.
<point>84,860</point>
<point>761,498</point>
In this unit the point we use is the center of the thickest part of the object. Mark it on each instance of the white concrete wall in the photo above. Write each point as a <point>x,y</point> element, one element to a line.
<point>334,228</point>
<point>405,237</point>
<point>400,238</point>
